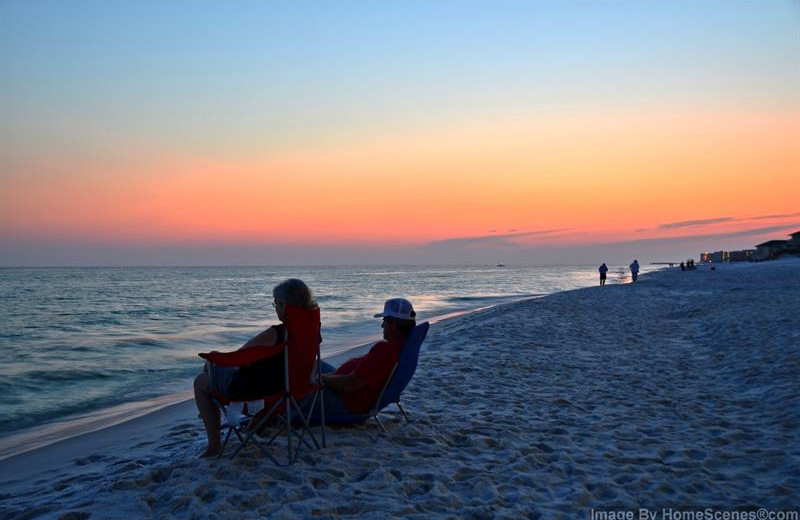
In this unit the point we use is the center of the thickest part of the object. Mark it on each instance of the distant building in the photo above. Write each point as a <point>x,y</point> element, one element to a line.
<point>710,257</point>
<point>770,249</point>
<point>745,255</point>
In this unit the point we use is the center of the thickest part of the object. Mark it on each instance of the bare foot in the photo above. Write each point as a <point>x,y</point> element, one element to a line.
<point>210,452</point>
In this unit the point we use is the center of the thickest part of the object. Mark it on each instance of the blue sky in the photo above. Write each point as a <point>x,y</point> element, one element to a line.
<point>284,69</point>
<point>99,98</point>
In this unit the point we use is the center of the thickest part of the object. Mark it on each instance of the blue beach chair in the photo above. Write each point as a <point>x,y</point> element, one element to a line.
<point>398,380</point>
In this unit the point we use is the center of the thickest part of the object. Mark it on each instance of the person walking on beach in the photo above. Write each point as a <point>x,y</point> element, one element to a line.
<point>603,270</point>
<point>253,381</point>
<point>355,386</point>
<point>634,270</point>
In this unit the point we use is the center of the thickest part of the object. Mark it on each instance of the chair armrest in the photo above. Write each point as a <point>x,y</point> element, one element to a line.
<point>243,357</point>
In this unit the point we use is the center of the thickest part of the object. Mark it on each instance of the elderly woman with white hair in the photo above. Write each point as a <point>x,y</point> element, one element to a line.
<point>253,381</point>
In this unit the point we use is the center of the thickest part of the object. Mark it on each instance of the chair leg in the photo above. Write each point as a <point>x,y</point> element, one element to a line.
<point>380,423</point>
<point>241,445</point>
<point>251,433</point>
<point>306,424</point>
<point>288,411</point>
<point>225,442</point>
<point>322,415</point>
<point>223,412</point>
<point>238,435</point>
<point>293,434</point>
<point>306,428</point>
<point>250,437</point>
<point>408,420</point>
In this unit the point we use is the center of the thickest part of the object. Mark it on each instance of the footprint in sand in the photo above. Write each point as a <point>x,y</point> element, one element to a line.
<point>75,515</point>
<point>205,493</point>
<point>89,460</point>
<point>466,473</point>
<point>694,454</point>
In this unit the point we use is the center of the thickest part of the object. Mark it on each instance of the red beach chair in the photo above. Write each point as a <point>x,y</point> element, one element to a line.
<point>301,355</point>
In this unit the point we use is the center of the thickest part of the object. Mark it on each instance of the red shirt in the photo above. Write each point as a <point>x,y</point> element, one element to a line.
<point>374,369</point>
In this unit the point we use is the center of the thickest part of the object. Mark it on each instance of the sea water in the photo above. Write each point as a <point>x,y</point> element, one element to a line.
<point>77,341</point>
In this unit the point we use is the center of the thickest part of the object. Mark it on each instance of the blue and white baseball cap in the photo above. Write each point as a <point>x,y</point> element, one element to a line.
<point>399,308</point>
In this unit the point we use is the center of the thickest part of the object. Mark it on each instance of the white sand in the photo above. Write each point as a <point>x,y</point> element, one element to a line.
<point>680,391</point>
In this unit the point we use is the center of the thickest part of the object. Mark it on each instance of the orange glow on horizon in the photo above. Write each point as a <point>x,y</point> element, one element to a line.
<point>600,175</point>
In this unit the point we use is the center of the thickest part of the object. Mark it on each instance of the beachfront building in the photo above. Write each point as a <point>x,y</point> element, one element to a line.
<point>716,256</point>
<point>770,249</point>
<point>794,242</point>
<point>744,255</point>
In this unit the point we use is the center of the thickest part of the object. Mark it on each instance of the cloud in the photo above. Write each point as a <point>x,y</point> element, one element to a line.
<point>691,223</point>
<point>711,221</point>
<point>789,215</point>
<point>491,240</point>
<point>486,248</point>
<point>508,241</point>
<point>457,251</point>
<point>714,236</point>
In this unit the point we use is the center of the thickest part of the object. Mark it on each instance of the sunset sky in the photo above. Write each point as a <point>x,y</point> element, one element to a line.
<point>530,132</point>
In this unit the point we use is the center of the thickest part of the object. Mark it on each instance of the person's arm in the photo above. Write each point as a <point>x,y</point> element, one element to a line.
<point>343,383</point>
<point>266,338</point>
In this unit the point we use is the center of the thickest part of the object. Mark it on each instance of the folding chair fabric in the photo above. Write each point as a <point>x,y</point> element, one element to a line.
<point>301,353</point>
<point>398,380</point>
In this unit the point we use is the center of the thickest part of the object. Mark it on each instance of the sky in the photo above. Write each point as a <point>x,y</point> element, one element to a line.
<point>420,132</point>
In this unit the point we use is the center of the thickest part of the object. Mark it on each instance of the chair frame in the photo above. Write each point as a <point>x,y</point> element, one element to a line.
<point>375,411</point>
<point>246,430</point>
<point>377,408</point>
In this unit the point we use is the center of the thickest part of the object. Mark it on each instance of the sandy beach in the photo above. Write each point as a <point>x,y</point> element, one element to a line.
<point>678,392</point>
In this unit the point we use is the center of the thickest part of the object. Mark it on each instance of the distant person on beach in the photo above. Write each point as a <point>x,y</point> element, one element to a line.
<point>354,387</point>
<point>683,267</point>
<point>634,270</point>
<point>603,270</point>
<point>253,381</point>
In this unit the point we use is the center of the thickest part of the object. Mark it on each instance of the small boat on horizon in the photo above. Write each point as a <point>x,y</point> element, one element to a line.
<point>500,264</point>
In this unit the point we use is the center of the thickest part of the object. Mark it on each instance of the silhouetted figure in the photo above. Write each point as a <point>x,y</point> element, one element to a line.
<point>603,270</point>
<point>683,267</point>
<point>634,270</point>
<point>255,380</point>
<point>357,384</point>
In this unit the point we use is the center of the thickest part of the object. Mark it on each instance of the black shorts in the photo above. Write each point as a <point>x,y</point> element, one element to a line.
<point>248,383</point>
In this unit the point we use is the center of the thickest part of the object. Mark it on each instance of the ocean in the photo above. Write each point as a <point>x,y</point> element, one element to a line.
<point>78,342</point>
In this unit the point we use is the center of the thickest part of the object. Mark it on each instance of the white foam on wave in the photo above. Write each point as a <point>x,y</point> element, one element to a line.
<point>39,437</point>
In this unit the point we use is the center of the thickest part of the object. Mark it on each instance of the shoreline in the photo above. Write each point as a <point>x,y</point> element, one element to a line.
<point>679,389</point>
<point>21,443</point>
<point>106,369</point>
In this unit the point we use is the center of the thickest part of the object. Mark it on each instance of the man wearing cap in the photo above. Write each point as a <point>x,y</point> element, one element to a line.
<point>355,386</point>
